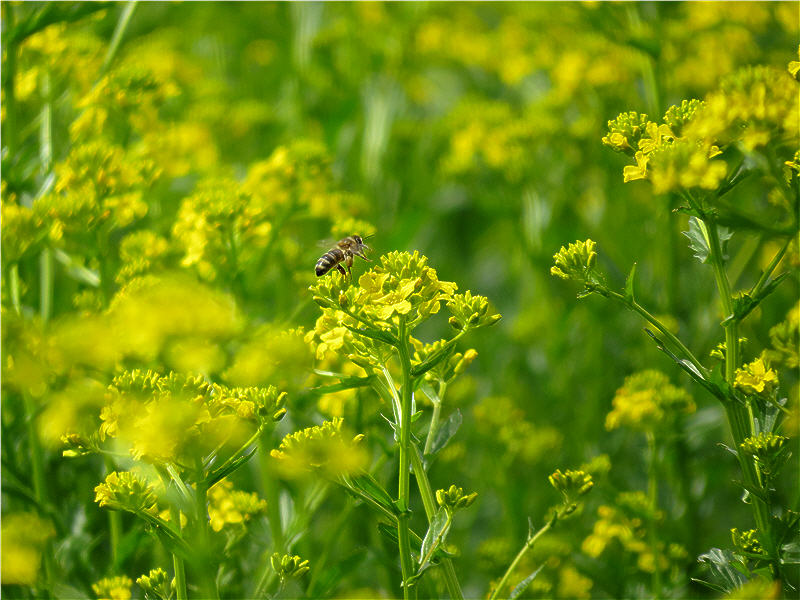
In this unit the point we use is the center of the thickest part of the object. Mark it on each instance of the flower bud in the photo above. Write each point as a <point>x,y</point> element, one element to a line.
<point>455,323</point>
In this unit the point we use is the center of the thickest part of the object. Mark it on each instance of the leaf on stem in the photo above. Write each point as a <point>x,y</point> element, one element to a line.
<point>629,285</point>
<point>700,242</point>
<point>523,585</point>
<point>435,537</point>
<point>445,432</point>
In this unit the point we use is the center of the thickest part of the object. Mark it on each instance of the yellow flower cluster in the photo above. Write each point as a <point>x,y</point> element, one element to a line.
<point>321,447</point>
<point>746,540</point>
<point>24,230</point>
<point>127,98</point>
<point>23,537</point>
<point>646,401</point>
<point>97,182</point>
<point>227,506</point>
<point>754,106</point>
<point>501,421</point>
<point>170,418</point>
<point>156,584</point>
<point>126,491</point>
<point>756,378</point>
<point>576,262</point>
<point>614,524</point>
<point>763,446</point>
<point>113,588</point>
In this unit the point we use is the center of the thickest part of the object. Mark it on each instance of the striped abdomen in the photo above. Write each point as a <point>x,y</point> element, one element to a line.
<point>329,260</point>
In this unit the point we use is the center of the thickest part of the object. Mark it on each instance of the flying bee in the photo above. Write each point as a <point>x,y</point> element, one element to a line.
<point>342,253</point>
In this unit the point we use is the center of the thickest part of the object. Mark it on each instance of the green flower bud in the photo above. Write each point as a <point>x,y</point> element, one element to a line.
<point>572,485</point>
<point>454,499</point>
<point>289,567</point>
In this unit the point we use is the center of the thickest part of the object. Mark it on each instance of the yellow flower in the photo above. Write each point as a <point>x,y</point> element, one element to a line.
<point>228,506</point>
<point>756,378</point>
<point>113,588</point>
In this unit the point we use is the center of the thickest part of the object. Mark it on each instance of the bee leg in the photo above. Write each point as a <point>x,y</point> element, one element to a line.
<point>341,269</point>
<point>349,263</point>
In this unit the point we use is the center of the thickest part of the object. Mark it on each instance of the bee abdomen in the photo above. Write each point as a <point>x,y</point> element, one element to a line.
<point>329,260</point>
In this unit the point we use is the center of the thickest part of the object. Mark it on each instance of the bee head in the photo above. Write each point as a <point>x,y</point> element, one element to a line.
<point>359,250</point>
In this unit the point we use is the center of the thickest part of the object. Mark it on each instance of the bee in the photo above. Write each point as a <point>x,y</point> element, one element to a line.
<point>343,252</point>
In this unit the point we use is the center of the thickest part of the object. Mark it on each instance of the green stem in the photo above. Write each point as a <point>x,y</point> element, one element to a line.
<point>119,32</point>
<point>9,75</point>
<point>205,566</point>
<point>635,306</point>
<point>740,417</point>
<point>14,284</point>
<point>114,521</point>
<point>403,493</point>
<point>528,545</point>
<point>652,496</point>
<point>429,502</point>
<point>37,474</point>
<point>177,561</point>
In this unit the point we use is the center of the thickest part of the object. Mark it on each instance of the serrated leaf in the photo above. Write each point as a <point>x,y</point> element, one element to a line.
<point>523,585</point>
<point>629,285</point>
<point>699,240</point>
<point>446,431</point>
<point>724,574</point>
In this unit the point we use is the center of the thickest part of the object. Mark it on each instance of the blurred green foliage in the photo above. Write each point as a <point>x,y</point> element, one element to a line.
<point>168,170</point>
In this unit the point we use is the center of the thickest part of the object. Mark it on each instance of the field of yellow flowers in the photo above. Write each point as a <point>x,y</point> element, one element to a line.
<point>190,412</point>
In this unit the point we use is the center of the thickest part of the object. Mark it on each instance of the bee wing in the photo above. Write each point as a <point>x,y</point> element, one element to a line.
<point>326,243</point>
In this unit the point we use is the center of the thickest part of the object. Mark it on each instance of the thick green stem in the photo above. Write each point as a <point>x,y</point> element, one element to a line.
<point>740,417</point>
<point>403,492</point>
<point>429,502</point>
<point>528,545</point>
<point>206,570</point>
<point>114,520</point>
<point>177,561</point>
<point>652,497</point>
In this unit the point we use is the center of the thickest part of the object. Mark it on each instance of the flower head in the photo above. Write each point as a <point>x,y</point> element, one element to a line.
<point>321,447</point>
<point>113,588</point>
<point>625,131</point>
<point>125,491</point>
<point>576,262</point>
<point>646,401</point>
<point>227,506</point>
<point>756,378</point>
<point>454,498</point>
<point>156,584</point>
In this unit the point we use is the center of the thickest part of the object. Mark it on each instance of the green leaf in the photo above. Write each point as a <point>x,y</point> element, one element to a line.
<point>375,334</point>
<point>221,473</point>
<point>434,359</point>
<point>629,285</point>
<point>724,575</point>
<point>523,585</point>
<point>346,383</point>
<point>790,553</point>
<point>367,485</point>
<point>435,536</point>
<point>699,240</point>
<point>446,431</point>
<point>77,271</point>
